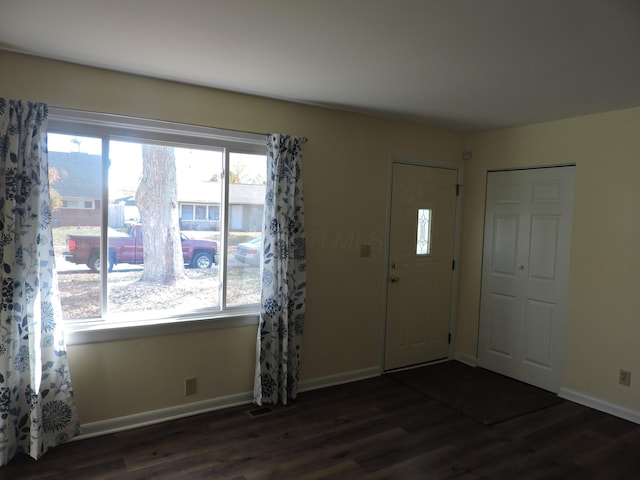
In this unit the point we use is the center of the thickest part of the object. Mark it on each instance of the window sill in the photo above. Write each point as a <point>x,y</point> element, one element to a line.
<point>96,332</point>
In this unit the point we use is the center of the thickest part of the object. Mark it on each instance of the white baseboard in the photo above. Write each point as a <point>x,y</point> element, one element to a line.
<point>601,405</point>
<point>332,380</point>
<point>129,422</point>
<point>466,359</point>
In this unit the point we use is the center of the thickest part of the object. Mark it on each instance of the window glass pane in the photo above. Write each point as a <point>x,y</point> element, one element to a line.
<point>75,171</point>
<point>214,212</point>
<point>423,243</point>
<point>247,178</point>
<point>186,212</point>
<point>201,212</point>
<point>139,281</point>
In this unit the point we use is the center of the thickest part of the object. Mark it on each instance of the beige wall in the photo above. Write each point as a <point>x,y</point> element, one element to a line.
<point>345,164</point>
<point>346,187</point>
<point>603,324</point>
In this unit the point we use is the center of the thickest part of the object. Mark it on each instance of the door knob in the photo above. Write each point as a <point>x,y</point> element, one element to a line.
<point>394,278</point>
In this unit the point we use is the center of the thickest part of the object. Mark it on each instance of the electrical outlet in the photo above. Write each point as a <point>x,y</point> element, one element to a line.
<point>190,386</point>
<point>625,377</point>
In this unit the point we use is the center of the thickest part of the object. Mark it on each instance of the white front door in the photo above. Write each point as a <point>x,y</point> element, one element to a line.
<point>525,274</point>
<point>422,231</point>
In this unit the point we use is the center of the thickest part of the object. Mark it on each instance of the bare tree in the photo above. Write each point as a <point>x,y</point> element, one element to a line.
<point>238,174</point>
<point>157,200</point>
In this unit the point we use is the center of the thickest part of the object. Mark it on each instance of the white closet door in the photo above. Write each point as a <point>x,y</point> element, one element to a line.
<point>525,274</point>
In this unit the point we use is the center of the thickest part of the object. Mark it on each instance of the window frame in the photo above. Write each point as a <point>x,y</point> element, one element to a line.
<point>125,128</point>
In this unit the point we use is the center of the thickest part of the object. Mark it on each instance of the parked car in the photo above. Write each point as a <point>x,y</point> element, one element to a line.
<point>249,252</point>
<point>128,248</point>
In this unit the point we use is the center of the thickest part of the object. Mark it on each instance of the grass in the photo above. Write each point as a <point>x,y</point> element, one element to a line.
<point>80,291</point>
<point>80,287</point>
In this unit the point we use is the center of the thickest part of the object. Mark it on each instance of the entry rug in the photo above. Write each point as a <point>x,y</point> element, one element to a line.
<point>483,395</point>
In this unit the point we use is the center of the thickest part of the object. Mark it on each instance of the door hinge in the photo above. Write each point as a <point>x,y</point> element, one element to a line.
<point>453,264</point>
<point>457,189</point>
<point>449,339</point>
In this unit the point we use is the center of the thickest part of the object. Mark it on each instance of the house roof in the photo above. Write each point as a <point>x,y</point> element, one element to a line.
<point>80,177</point>
<point>79,173</point>
<point>210,192</point>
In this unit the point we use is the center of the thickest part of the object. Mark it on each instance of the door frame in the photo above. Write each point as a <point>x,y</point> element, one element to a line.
<point>459,168</point>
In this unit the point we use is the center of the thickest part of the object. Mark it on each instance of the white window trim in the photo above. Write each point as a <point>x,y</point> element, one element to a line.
<point>79,333</point>
<point>93,123</point>
<point>120,128</point>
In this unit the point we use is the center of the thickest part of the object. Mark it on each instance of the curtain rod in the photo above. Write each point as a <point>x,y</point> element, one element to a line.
<point>304,139</point>
<point>55,112</point>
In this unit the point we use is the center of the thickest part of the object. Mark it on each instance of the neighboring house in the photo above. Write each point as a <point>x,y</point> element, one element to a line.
<point>123,211</point>
<point>79,187</point>
<point>199,202</point>
<point>200,206</point>
<point>246,207</point>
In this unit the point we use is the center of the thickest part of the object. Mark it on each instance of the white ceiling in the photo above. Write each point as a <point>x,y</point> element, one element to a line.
<point>469,65</point>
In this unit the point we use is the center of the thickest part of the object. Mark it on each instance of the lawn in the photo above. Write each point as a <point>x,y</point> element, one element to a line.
<point>80,287</point>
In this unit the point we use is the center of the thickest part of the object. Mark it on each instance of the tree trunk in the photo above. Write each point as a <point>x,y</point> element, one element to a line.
<point>157,200</point>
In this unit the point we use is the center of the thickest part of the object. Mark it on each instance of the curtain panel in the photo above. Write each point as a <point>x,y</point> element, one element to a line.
<point>283,296</point>
<point>36,398</point>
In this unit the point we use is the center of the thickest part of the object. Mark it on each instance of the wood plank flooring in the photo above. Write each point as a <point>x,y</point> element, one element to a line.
<point>373,429</point>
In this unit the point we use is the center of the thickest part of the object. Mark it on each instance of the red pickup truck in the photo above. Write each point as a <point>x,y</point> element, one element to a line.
<point>127,248</point>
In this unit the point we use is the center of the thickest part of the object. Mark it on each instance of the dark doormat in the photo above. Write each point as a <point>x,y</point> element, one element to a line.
<point>486,396</point>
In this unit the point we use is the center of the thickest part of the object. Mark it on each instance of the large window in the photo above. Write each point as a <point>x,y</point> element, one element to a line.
<point>154,185</point>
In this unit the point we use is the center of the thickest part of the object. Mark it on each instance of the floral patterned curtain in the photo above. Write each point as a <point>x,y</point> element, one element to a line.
<point>36,405</point>
<point>284,285</point>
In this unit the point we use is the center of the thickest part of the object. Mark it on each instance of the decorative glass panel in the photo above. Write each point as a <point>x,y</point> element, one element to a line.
<point>423,243</point>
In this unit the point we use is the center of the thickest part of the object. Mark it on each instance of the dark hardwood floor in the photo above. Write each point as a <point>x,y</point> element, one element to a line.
<point>373,429</point>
